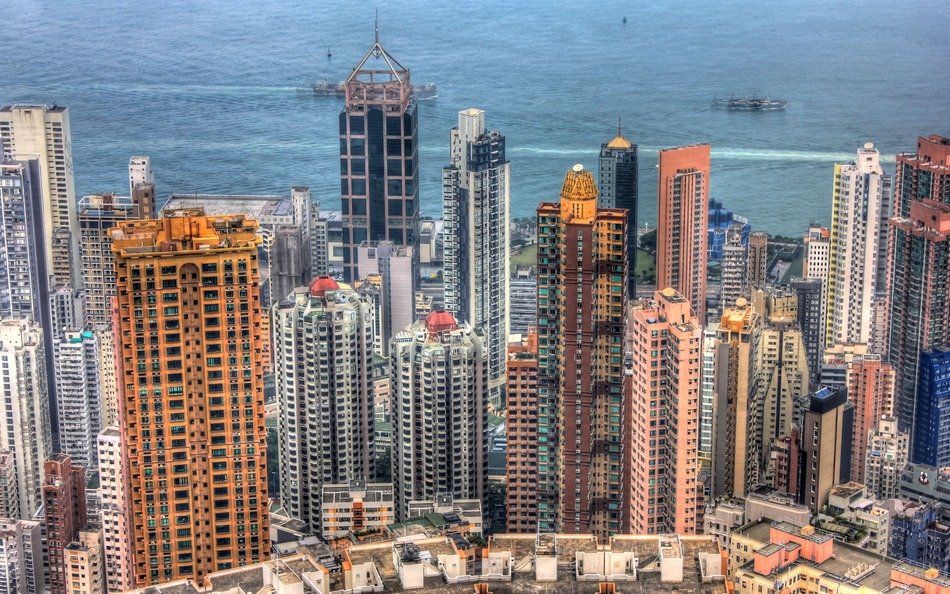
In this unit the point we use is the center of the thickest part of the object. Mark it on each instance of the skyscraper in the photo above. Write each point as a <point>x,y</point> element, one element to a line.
<point>826,446</point>
<point>24,293</point>
<point>860,209</point>
<point>736,385</point>
<point>78,389</point>
<point>25,422</point>
<point>97,215</point>
<point>397,269</point>
<point>521,432</point>
<point>734,269</point>
<point>871,392</point>
<point>324,349</point>
<point>191,393</point>
<point>140,172</point>
<point>379,179</point>
<point>918,266</point>
<point>617,179</point>
<point>21,556</point>
<point>476,201</point>
<point>758,261</point>
<point>681,232</point>
<point>582,410</point>
<point>116,539</point>
<point>64,503</point>
<point>666,495</point>
<point>932,424</point>
<point>810,296</point>
<point>41,132</point>
<point>439,381</point>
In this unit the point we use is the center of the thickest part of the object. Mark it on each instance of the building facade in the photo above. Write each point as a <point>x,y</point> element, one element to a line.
<point>736,385</point>
<point>358,508</point>
<point>324,350</point>
<point>932,424</point>
<point>379,157</point>
<point>758,267</point>
<point>733,269</point>
<point>887,453</point>
<point>98,214</point>
<point>825,446</point>
<point>85,562</point>
<point>78,389</point>
<point>582,297</point>
<point>871,392</point>
<point>191,355</point>
<point>21,557</point>
<point>41,132</point>
<point>860,210</point>
<point>618,177</point>
<point>521,431</point>
<point>440,411</point>
<point>26,419</point>
<point>396,269</point>
<point>681,254</point>
<point>918,264</point>
<point>64,505</point>
<point>114,502</point>
<point>476,200</point>
<point>23,271</point>
<point>666,495</point>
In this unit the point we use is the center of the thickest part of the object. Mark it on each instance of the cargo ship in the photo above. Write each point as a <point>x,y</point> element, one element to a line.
<point>752,103</point>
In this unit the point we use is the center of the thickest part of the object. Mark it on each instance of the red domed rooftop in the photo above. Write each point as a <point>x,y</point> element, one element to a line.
<point>320,285</point>
<point>440,320</point>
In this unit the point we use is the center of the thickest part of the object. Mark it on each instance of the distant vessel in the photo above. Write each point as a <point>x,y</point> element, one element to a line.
<point>426,92</point>
<point>329,55</point>
<point>753,103</point>
<point>325,88</point>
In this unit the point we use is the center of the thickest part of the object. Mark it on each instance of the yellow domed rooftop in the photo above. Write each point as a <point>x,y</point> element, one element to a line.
<point>578,194</point>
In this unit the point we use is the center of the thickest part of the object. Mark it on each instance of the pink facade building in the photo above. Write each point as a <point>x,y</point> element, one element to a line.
<point>871,391</point>
<point>665,339</point>
<point>683,209</point>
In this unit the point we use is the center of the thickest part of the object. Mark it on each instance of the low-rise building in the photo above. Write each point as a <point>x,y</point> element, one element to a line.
<point>854,516</point>
<point>786,557</point>
<point>357,507</point>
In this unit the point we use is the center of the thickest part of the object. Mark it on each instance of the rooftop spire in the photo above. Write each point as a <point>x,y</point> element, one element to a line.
<point>376,25</point>
<point>619,127</point>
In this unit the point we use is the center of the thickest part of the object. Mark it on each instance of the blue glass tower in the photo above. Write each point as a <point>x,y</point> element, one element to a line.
<point>932,420</point>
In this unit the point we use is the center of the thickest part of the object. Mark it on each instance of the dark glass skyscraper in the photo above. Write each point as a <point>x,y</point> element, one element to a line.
<point>379,177</point>
<point>617,173</point>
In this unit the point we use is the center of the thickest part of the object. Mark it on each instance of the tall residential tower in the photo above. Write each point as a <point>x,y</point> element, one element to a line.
<point>190,355</point>
<point>582,295</point>
<point>683,209</point>
<point>476,201</point>
<point>617,179</point>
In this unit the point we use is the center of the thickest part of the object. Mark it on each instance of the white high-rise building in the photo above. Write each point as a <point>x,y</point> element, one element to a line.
<point>439,373</point>
<point>861,209</point>
<point>116,536</point>
<point>25,422</point>
<point>733,266</point>
<point>76,362</point>
<point>323,359</point>
<point>707,393</point>
<point>395,266</point>
<point>815,267</point>
<point>21,556</point>
<point>887,455</point>
<point>84,562</point>
<point>140,171</point>
<point>41,132</point>
<point>476,203</point>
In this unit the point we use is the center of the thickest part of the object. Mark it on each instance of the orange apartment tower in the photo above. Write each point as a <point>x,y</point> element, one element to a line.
<point>191,394</point>
<point>683,208</point>
<point>521,427</point>
<point>582,409</point>
<point>871,391</point>
<point>664,341</point>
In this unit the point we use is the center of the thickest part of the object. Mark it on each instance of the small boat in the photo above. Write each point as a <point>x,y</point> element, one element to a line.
<point>325,88</point>
<point>426,92</point>
<point>329,55</point>
<point>624,20</point>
